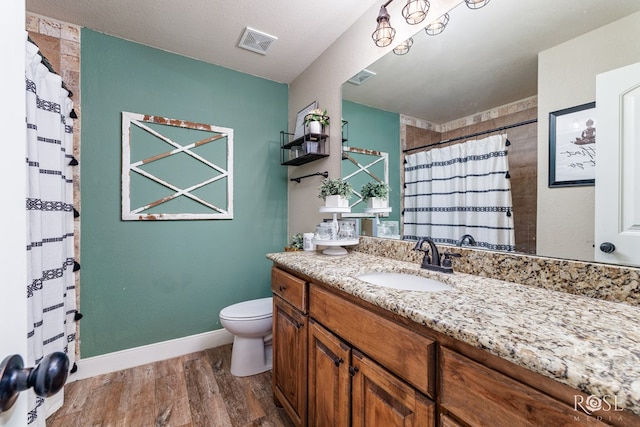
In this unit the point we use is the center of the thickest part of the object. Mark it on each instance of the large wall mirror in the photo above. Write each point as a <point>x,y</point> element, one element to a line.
<point>481,73</point>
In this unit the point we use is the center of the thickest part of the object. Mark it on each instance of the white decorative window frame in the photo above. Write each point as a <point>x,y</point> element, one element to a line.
<point>129,165</point>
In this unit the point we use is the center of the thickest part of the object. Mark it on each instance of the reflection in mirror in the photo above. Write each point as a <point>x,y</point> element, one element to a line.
<point>482,73</point>
<point>373,140</point>
<point>367,166</point>
<point>462,189</point>
<point>522,160</point>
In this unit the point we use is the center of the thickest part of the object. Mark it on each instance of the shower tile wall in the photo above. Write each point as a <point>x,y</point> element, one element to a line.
<point>523,155</point>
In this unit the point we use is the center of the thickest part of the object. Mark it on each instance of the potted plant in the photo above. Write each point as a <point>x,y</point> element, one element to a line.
<point>335,192</point>
<point>296,243</point>
<point>315,121</point>
<point>376,194</point>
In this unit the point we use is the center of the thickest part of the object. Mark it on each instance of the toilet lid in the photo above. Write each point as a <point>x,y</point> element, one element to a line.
<point>253,309</point>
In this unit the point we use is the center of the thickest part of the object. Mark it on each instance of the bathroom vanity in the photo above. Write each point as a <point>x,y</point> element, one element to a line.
<point>486,352</point>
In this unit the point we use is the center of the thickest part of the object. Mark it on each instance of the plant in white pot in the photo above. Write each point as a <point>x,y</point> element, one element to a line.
<point>376,194</point>
<point>315,121</point>
<point>335,192</point>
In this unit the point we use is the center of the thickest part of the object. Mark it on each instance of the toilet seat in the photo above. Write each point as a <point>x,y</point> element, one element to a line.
<point>249,310</point>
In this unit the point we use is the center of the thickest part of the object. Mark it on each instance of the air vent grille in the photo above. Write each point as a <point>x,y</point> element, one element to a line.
<point>361,77</point>
<point>256,41</point>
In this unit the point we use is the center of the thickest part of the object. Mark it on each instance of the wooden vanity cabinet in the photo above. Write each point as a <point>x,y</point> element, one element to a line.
<point>479,396</point>
<point>401,351</point>
<point>365,370</point>
<point>339,362</point>
<point>290,330</point>
<point>347,388</point>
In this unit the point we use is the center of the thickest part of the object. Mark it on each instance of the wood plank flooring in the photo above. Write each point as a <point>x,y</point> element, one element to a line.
<point>195,390</point>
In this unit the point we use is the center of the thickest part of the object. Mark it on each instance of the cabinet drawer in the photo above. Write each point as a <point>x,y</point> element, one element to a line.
<point>289,288</point>
<point>480,396</point>
<point>401,351</point>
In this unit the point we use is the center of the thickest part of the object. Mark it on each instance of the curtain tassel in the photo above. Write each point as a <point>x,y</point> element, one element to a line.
<point>508,143</point>
<point>508,212</point>
<point>507,175</point>
<point>76,266</point>
<point>73,162</point>
<point>73,114</point>
<point>74,368</point>
<point>76,214</point>
<point>77,316</point>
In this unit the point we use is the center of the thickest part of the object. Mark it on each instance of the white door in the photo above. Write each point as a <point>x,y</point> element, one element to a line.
<point>617,215</point>
<point>13,293</point>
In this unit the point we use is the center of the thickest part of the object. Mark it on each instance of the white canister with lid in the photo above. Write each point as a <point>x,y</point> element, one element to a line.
<point>307,242</point>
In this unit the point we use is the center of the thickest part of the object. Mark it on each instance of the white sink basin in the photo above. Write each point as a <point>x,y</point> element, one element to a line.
<point>407,282</point>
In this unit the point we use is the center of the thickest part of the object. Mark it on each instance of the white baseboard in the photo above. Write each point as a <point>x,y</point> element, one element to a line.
<point>132,357</point>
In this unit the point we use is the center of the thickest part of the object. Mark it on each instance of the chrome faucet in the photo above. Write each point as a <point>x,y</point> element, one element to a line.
<point>467,238</point>
<point>431,260</point>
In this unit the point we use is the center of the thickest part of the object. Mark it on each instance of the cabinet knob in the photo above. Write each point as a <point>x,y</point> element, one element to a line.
<point>337,361</point>
<point>607,247</point>
<point>282,288</point>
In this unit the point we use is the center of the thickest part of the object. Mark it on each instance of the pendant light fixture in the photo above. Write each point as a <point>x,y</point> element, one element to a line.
<point>476,4</point>
<point>437,26</point>
<point>415,11</point>
<point>403,48</point>
<point>384,33</point>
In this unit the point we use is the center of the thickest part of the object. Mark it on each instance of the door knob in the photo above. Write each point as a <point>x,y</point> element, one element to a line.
<point>607,247</point>
<point>46,378</point>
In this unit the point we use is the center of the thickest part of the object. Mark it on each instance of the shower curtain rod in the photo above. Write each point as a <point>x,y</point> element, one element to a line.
<point>527,122</point>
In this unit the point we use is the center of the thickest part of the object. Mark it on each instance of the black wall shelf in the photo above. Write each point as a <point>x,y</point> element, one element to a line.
<point>304,149</point>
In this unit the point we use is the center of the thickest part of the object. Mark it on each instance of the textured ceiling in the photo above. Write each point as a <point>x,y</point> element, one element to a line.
<point>485,58</point>
<point>209,30</point>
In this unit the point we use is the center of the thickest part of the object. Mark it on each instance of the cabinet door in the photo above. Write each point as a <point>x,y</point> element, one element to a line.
<point>290,360</point>
<point>329,379</point>
<point>381,399</point>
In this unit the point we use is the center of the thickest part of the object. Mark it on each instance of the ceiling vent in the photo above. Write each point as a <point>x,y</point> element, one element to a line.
<point>256,41</point>
<point>361,77</point>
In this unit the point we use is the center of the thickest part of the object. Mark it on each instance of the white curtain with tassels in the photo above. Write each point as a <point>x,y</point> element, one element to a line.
<point>50,249</point>
<point>460,189</point>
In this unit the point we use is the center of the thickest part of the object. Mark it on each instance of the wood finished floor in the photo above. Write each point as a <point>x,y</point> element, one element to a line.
<point>195,390</point>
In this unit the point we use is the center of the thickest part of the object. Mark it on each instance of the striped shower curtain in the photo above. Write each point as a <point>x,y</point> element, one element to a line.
<point>50,250</point>
<point>460,189</point>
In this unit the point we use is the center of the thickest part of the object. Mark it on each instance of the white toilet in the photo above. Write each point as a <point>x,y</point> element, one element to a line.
<point>250,322</point>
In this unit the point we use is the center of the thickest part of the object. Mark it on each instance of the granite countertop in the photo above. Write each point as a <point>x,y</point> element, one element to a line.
<point>589,344</point>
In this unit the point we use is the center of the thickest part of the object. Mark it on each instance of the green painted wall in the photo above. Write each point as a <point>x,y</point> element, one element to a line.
<point>149,281</point>
<point>375,129</point>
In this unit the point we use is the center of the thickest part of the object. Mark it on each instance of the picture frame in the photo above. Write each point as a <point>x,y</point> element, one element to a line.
<point>572,146</point>
<point>299,129</point>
